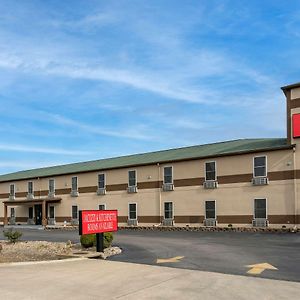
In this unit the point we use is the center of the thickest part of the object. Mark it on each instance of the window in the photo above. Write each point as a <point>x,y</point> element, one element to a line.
<point>101,181</point>
<point>12,190</point>
<point>30,212</point>
<point>210,170</point>
<point>30,187</point>
<point>132,178</point>
<point>168,175</point>
<point>12,212</point>
<point>52,212</point>
<point>74,212</point>
<point>132,211</point>
<point>74,184</point>
<point>260,166</point>
<point>102,207</point>
<point>260,208</point>
<point>210,209</point>
<point>51,186</point>
<point>168,210</point>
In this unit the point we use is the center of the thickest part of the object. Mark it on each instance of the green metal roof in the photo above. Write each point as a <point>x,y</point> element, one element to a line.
<point>200,151</point>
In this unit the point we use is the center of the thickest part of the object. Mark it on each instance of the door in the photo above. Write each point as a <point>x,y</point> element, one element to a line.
<point>38,214</point>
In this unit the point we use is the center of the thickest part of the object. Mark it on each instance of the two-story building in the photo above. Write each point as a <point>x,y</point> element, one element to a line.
<point>248,182</point>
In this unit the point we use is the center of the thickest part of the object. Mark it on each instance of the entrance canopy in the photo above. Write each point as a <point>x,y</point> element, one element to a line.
<point>42,201</point>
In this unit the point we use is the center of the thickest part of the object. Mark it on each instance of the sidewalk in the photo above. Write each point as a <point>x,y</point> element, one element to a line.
<point>98,279</point>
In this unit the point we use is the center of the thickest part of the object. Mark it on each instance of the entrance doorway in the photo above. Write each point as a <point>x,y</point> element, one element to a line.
<point>38,214</point>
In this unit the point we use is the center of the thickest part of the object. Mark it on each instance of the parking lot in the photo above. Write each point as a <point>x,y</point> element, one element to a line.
<point>222,252</point>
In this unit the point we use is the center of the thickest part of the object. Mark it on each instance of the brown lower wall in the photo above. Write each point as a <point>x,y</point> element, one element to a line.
<point>238,219</point>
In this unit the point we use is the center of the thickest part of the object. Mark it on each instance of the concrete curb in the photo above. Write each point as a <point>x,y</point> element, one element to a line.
<point>41,262</point>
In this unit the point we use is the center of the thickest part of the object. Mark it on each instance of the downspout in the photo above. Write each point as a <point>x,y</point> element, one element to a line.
<point>295,185</point>
<point>159,194</point>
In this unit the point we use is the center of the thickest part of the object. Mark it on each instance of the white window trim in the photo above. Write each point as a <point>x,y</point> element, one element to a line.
<point>264,198</point>
<point>172,174</point>
<point>136,214</point>
<point>32,187</point>
<point>14,195</point>
<point>135,177</point>
<point>104,180</point>
<point>72,184</point>
<point>266,168</point>
<point>215,208</point>
<point>104,204</point>
<point>207,162</point>
<point>173,210</point>
<point>51,205</point>
<point>53,185</point>
<point>77,211</point>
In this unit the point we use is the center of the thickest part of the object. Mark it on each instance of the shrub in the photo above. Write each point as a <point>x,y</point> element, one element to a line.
<point>12,235</point>
<point>230,226</point>
<point>89,240</point>
<point>108,238</point>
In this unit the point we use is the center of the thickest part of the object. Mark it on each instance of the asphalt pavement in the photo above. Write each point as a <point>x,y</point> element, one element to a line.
<point>224,252</point>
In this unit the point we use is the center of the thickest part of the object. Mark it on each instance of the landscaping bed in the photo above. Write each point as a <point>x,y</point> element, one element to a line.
<point>33,251</point>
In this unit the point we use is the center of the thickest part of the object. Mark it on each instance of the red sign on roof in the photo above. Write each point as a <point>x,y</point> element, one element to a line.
<point>97,221</point>
<point>296,125</point>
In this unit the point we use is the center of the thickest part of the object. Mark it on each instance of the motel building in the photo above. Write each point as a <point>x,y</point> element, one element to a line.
<point>246,183</point>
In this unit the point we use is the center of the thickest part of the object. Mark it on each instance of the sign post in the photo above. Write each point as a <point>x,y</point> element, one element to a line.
<point>97,222</point>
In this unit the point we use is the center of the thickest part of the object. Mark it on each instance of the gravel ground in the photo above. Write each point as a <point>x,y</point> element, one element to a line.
<point>32,251</point>
<point>42,250</point>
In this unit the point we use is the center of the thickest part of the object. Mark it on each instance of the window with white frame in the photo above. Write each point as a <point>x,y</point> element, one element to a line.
<point>132,211</point>
<point>51,212</point>
<point>260,166</point>
<point>168,175</point>
<point>168,210</point>
<point>102,207</point>
<point>74,212</point>
<point>260,208</point>
<point>101,181</point>
<point>210,209</point>
<point>51,186</point>
<point>210,171</point>
<point>132,178</point>
<point>30,188</point>
<point>12,190</point>
<point>74,184</point>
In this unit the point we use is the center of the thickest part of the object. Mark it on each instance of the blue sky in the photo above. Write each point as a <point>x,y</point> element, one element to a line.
<point>83,80</point>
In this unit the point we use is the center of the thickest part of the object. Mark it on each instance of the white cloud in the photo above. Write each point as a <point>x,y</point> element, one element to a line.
<point>24,148</point>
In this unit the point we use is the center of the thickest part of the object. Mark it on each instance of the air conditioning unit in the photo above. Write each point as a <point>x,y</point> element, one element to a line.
<point>260,181</point>
<point>74,194</point>
<point>132,189</point>
<point>168,187</point>
<point>132,222</point>
<point>51,195</point>
<point>30,196</point>
<point>101,191</point>
<point>12,221</point>
<point>12,197</point>
<point>210,222</point>
<point>168,222</point>
<point>74,222</point>
<point>259,222</point>
<point>210,184</point>
<point>51,221</point>
<point>30,221</point>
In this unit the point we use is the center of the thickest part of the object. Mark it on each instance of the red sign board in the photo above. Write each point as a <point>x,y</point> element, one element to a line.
<point>97,221</point>
<point>296,125</point>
